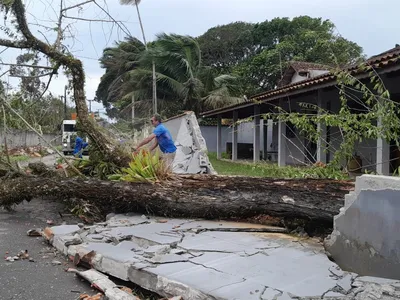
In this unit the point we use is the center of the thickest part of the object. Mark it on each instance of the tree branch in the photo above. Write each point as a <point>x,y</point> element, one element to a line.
<point>15,44</point>
<point>31,41</point>
<point>124,30</point>
<point>35,76</point>
<point>77,5</point>
<point>4,73</point>
<point>91,20</point>
<point>20,14</point>
<point>59,29</point>
<point>28,66</point>
<point>48,83</point>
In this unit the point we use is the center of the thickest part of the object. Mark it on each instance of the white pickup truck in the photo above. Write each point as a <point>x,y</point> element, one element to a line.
<point>68,136</point>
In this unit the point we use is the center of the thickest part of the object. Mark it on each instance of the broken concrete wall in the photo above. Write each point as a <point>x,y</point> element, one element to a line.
<point>365,238</point>
<point>191,154</point>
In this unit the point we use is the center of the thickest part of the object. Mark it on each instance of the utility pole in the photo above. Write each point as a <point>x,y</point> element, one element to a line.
<point>133,109</point>
<point>136,2</point>
<point>90,104</point>
<point>154,88</point>
<point>65,102</point>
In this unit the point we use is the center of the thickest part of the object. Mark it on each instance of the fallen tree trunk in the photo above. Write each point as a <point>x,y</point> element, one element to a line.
<point>199,196</point>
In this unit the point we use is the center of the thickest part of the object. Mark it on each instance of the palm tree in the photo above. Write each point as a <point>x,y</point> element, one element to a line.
<point>183,82</point>
<point>117,61</point>
<point>182,75</point>
<point>136,3</point>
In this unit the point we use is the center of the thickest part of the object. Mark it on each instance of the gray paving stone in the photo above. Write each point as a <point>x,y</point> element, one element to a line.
<point>246,289</point>
<point>155,232</point>
<point>65,229</point>
<point>125,220</point>
<point>230,242</point>
<point>345,283</point>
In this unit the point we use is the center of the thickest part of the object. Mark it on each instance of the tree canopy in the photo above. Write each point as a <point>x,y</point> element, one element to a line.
<point>223,47</point>
<point>218,67</point>
<point>263,50</point>
<point>183,82</point>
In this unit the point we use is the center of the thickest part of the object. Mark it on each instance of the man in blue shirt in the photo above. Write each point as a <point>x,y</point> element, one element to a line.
<point>79,146</point>
<point>163,139</point>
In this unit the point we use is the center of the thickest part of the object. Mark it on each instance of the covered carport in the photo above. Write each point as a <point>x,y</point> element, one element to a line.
<point>320,90</point>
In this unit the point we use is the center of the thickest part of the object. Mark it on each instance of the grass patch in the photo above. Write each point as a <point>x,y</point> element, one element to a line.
<point>271,170</point>
<point>19,158</point>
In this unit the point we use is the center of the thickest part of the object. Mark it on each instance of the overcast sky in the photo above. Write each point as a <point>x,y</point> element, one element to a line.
<point>373,26</point>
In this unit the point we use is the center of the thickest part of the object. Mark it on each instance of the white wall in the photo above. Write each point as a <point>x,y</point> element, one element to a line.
<point>22,138</point>
<point>297,78</point>
<point>312,73</point>
<point>245,135</point>
<point>210,135</point>
<point>315,73</point>
<point>246,132</point>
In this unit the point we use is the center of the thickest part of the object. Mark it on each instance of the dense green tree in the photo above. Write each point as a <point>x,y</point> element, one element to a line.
<point>45,114</point>
<point>269,46</point>
<point>223,47</point>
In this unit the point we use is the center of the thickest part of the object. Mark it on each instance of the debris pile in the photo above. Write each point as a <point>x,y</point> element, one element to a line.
<point>107,287</point>
<point>32,151</point>
<point>22,255</point>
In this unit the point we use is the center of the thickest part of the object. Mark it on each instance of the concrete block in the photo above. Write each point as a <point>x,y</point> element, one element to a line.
<point>363,237</point>
<point>345,283</point>
<point>65,229</point>
<point>64,241</point>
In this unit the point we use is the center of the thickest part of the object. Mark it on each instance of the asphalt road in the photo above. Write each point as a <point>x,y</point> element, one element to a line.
<point>49,160</point>
<point>38,280</point>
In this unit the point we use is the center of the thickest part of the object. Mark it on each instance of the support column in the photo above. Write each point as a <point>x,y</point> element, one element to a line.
<point>321,143</point>
<point>382,155</point>
<point>235,136</point>
<point>256,134</point>
<point>219,137</point>
<point>265,140</point>
<point>281,141</point>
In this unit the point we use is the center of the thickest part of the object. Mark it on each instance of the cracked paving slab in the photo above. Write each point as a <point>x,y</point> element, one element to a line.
<point>199,259</point>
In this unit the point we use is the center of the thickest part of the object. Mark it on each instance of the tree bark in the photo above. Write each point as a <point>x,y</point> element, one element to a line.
<point>199,196</point>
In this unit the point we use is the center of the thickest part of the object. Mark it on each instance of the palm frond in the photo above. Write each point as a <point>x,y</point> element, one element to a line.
<point>130,2</point>
<point>219,98</point>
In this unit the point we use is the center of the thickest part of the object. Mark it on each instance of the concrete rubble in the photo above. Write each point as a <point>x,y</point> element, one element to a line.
<point>365,236</point>
<point>104,284</point>
<point>198,259</point>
